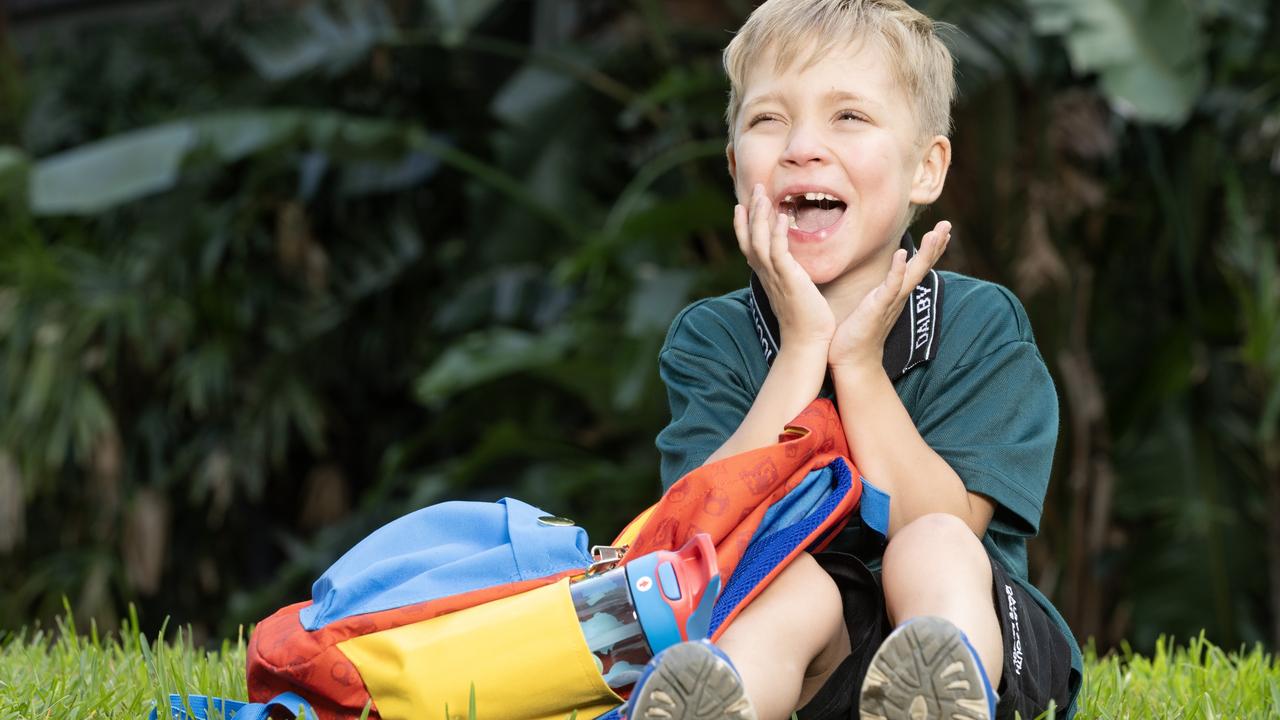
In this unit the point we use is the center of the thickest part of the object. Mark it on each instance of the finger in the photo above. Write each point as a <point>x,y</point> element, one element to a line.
<point>740,231</point>
<point>931,247</point>
<point>761,225</point>
<point>758,225</point>
<point>942,231</point>
<point>897,269</point>
<point>891,288</point>
<point>779,246</point>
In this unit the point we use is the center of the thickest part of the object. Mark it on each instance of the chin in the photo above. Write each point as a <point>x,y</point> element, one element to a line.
<point>820,270</point>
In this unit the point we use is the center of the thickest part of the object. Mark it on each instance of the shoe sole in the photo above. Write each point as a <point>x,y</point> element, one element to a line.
<point>692,683</point>
<point>924,671</point>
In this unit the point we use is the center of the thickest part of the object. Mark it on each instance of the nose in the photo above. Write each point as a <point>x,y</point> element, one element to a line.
<point>804,147</point>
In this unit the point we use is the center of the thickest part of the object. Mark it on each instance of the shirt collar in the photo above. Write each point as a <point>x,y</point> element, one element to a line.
<point>913,340</point>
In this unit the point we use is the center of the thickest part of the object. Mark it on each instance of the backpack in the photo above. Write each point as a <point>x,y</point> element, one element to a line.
<point>466,603</point>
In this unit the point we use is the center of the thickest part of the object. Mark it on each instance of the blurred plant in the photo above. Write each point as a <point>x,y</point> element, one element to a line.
<point>214,316</point>
<point>1097,175</point>
<point>283,274</point>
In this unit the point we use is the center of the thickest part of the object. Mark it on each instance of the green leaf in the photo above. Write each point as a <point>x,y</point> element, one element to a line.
<point>487,355</point>
<point>237,134</point>
<point>458,17</point>
<point>96,176</point>
<point>630,198</point>
<point>680,83</point>
<point>381,261</point>
<point>1270,419</point>
<point>1149,54</point>
<point>100,175</point>
<point>371,177</point>
<point>13,170</point>
<point>92,418</point>
<point>317,37</point>
<point>657,298</point>
<point>529,91</point>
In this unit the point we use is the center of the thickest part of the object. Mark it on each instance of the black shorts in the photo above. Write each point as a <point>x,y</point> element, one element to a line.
<point>1037,658</point>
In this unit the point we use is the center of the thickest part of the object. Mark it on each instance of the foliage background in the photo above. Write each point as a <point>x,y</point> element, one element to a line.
<point>274,273</point>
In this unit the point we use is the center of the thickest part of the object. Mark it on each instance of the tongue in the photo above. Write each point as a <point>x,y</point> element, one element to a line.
<point>811,218</point>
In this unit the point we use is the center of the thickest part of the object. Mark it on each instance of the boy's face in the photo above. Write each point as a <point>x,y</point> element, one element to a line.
<point>844,128</point>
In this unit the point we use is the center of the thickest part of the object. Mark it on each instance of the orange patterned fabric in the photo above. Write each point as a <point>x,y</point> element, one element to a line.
<point>728,498</point>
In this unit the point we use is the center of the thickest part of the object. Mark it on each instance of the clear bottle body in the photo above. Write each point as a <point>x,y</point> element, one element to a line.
<point>612,630</point>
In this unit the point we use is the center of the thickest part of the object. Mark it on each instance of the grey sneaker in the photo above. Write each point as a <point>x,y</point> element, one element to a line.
<point>926,670</point>
<point>689,681</point>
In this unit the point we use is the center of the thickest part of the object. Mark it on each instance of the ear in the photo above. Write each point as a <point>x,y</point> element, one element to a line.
<point>733,161</point>
<point>931,173</point>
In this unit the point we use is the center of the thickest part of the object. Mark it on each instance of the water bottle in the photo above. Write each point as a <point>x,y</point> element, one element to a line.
<point>631,613</point>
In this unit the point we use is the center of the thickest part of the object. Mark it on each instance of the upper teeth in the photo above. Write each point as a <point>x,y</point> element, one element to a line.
<point>814,196</point>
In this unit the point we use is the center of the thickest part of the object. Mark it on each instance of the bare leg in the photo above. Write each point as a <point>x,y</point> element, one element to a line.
<point>935,565</point>
<point>787,642</point>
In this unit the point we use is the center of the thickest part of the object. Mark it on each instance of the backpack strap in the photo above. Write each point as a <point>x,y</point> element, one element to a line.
<point>224,709</point>
<point>824,502</point>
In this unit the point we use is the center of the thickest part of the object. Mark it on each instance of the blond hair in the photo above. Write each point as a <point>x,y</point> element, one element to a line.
<point>921,63</point>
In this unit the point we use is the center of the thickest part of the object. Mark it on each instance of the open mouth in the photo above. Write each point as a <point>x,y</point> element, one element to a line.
<point>812,212</point>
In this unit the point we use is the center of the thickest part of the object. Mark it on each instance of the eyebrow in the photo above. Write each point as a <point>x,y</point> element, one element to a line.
<point>837,96</point>
<point>830,98</point>
<point>762,99</point>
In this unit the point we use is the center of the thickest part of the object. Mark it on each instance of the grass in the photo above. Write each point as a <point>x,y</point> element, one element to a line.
<point>65,674</point>
<point>62,673</point>
<point>1196,681</point>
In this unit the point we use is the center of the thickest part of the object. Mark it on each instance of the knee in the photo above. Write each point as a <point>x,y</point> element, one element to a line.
<point>933,532</point>
<point>804,577</point>
<point>806,585</point>
<point>934,539</point>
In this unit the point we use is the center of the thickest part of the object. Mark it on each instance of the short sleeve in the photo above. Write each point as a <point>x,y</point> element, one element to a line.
<point>708,398</point>
<point>708,404</point>
<point>994,419</point>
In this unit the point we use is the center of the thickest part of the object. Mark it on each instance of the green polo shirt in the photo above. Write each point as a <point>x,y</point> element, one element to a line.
<point>984,402</point>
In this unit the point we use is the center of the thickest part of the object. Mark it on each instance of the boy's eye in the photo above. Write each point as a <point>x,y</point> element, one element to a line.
<point>760,118</point>
<point>849,115</point>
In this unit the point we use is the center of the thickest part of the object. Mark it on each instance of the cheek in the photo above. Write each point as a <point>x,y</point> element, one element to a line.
<point>876,169</point>
<point>755,162</point>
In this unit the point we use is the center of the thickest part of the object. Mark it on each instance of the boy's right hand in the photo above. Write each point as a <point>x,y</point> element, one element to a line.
<point>804,317</point>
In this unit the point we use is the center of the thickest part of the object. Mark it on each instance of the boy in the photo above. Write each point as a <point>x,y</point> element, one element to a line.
<point>838,116</point>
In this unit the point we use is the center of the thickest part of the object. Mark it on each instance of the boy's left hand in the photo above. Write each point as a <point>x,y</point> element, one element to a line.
<point>859,340</point>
